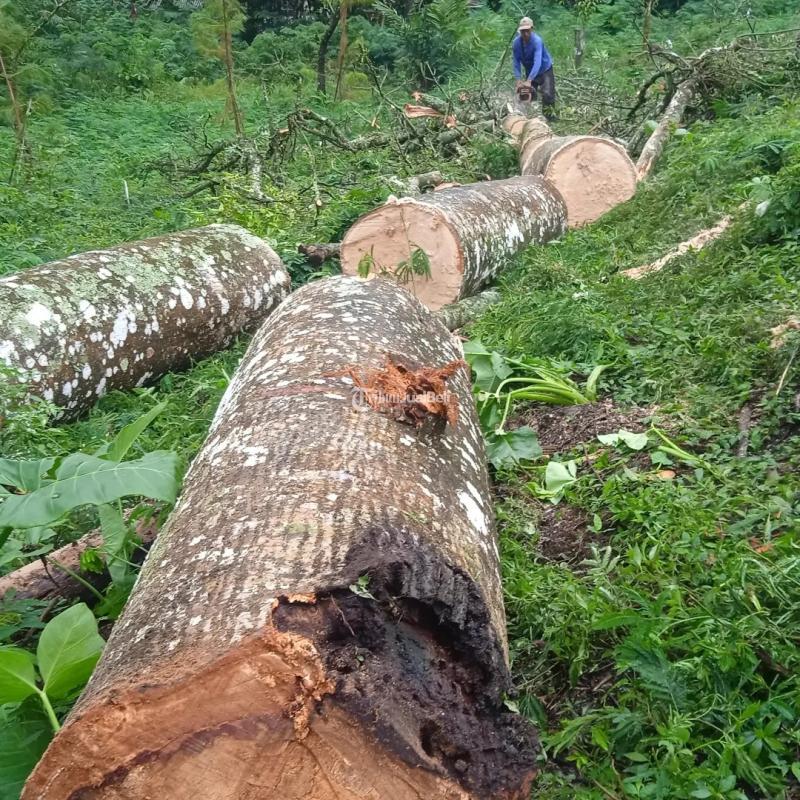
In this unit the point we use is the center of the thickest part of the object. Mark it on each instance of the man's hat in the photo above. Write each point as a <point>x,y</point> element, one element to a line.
<point>525,24</point>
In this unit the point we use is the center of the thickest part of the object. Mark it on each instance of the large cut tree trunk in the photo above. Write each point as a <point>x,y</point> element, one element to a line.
<point>593,174</point>
<point>321,618</point>
<point>466,234</point>
<point>114,319</point>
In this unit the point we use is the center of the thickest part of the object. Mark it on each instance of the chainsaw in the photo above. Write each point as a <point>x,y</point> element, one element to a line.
<point>525,92</point>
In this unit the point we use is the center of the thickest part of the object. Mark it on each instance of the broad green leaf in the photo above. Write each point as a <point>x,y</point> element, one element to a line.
<point>512,447</point>
<point>69,647</point>
<point>636,441</point>
<point>17,675</point>
<point>123,441</point>
<point>87,480</point>
<point>25,732</point>
<point>115,535</point>
<point>796,769</point>
<point>557,475</point>
<point>488,367</point>
<point>113,528</point>
<point>25,475</point>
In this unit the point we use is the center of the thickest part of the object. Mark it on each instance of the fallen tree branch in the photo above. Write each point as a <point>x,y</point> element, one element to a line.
<point>319,253</point>
<point>671,119</point>
<point>457,315</point>
<point>697,242</point>
<point>45,578</point>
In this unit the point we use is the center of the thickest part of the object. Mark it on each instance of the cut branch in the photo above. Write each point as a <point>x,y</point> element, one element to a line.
<point>671,119</point>
<point>457,315</point>
<point>45,578</point>
<point>319,253</point>
<point>697,242</point>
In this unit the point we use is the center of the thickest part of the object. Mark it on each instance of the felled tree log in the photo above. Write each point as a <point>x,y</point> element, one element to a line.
<point>447,245</point>
<point>114,319</point>
<point>592,173</point>
<point>44,578</point>
<point>321,618</point>
<point>459,314</point>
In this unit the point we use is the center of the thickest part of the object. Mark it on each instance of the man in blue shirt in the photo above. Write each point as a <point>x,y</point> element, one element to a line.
<point>533,65</point>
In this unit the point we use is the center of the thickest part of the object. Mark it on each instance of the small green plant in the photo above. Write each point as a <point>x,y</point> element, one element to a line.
<point>418,264</point>
<point>361,588</point>
<point>66,654</point>
<point>499,382</point>
<point>36,496</point>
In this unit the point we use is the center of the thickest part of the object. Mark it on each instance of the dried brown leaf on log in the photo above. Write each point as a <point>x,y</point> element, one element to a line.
<point>407,392</point>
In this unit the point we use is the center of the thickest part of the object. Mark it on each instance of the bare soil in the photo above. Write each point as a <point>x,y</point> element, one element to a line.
<point>562,428</point>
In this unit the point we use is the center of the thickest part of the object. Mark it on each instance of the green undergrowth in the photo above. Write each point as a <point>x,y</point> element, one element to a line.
<point>665,664</point>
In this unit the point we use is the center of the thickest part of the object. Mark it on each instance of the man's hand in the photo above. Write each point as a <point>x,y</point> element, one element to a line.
<point>523,83</point>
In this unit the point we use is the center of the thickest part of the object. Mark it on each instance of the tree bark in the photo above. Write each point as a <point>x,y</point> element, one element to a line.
<point>593,174</point>
<point>464,235</point>
<point>580,46</point>
<point>322,55</point>
<point>696,243</point>
<point>114,319</point>
<point>12,98</point>
<point>321,618</point>
<point>319,253</point>
<point>654,146</point>
<point>459,314</point>
<point>227,50</point>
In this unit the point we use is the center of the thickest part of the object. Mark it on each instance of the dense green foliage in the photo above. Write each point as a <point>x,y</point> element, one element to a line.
<point>661,661</point>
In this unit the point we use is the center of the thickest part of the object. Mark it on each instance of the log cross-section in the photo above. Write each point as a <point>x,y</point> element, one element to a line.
<point>74,329</point>
<point>594,174</point>
<point>322,617</point>
<point>467,235</point>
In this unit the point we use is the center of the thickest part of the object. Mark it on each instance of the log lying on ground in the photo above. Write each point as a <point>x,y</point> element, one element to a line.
<point>466,235</point>
<point>459,314</point>
<point>114,319</point>
<point>593,174</point>
<point>46,578</point>
<point>321,618</point>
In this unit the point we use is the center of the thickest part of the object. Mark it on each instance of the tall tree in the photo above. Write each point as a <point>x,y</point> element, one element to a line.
<point>213,28</point>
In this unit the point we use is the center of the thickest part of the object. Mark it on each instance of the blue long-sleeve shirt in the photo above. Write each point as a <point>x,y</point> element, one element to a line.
<point>533,56</point>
